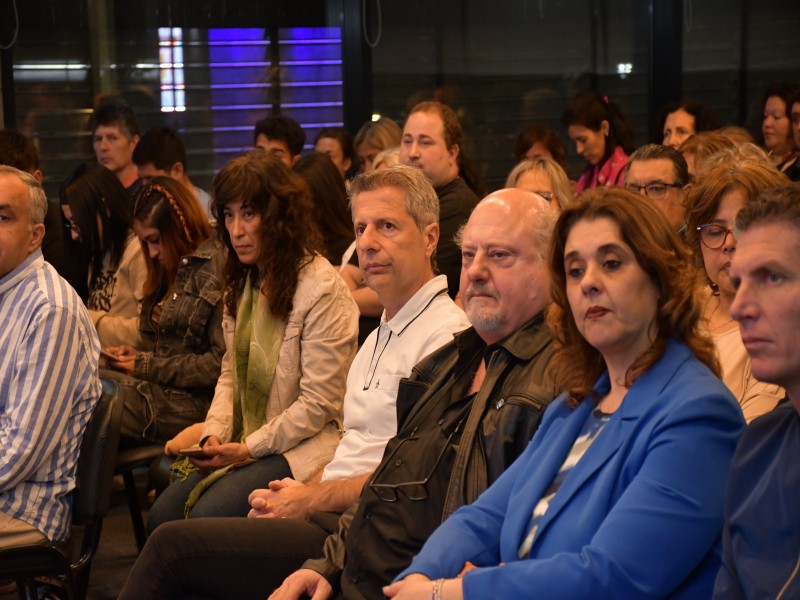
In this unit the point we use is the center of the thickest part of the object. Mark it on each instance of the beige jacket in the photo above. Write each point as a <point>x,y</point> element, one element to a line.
<point>304,413</point>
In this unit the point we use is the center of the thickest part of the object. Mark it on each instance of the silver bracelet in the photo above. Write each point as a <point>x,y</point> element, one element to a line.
<point>437,590</point>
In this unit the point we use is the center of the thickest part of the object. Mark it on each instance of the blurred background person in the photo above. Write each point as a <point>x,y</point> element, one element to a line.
<point>337,144</point>
<point>776,128</point>
<point>373,137</point>
<point>602,136</point>
<point>682,120</point>
<point>542,176</point>
<point>97,214</point>
<point>539,140</point>
<point>329,197</point>
<point>698,148</point>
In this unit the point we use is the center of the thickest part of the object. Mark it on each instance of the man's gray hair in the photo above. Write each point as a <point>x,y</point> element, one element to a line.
<point>37,200</point>
<point>422,203</point>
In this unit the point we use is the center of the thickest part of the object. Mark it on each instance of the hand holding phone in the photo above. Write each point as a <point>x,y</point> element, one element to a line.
<point>194,452</point>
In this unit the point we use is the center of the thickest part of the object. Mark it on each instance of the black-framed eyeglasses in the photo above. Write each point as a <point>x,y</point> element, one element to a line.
<point>413,490</point>
<point>714,235</point>
<point>653,190</point>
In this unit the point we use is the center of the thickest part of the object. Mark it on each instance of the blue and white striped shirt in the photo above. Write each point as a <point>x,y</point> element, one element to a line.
<point>48,390</point>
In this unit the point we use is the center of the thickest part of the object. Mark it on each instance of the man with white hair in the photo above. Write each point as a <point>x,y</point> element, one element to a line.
<point>48,373</point>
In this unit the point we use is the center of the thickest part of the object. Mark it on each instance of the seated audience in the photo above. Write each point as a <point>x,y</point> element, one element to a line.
<point>660,173</point>
<point>699,148</point>
<point>682,120</point>
<point>281,137</point>
<point>290,329</point>
<point>337,144</point>
<point>168,383</point>
<point>329,198</point>
<point>539,141</point>
<point>97,213</point>
<point>637,448</point>
<point>115,134</point>
<point>602,136</point>
<point>373,137</point>
<point>711,211</point>
<point>19,152</point>
<point>761,536</point>
<point>420,317</point>
<point>48,373</point>
<point>465,414</point>
<point>542,176</point>
<point>160,152</point>
<point>776,128</point>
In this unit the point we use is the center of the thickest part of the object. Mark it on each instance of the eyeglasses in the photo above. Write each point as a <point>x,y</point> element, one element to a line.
<point>713,235</point>
<point>413,490</point>
<point>546,195</point>
<point>653,190</point>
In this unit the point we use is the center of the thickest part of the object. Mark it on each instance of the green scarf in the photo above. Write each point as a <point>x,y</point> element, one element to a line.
<point>257,340</point>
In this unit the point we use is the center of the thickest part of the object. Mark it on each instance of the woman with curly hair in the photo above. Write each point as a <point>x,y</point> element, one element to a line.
<point>637,448</point>
<point>290,329</point>
<point>732,181</point>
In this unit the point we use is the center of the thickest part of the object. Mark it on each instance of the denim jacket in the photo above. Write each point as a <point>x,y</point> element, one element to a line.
<point>186,345</point>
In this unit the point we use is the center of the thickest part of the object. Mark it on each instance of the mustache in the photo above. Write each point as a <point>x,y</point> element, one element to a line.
<point>479,288</point>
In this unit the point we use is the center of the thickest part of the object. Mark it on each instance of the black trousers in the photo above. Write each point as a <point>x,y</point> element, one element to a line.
<point>225,557</point>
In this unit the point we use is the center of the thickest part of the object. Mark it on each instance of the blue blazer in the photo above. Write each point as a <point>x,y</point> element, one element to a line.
<point>638,516</point>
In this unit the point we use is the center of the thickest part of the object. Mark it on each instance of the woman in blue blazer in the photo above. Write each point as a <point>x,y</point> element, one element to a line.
<point>620,492</point>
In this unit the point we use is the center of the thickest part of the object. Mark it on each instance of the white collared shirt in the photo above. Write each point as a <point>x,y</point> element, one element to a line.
<point>425,323</point>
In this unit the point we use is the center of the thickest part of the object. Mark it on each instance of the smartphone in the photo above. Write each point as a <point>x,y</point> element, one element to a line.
<point>108,355</point>
<point>194,452</point>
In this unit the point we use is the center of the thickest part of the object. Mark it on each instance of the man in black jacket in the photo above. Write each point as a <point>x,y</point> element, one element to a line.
<point>464,415</point>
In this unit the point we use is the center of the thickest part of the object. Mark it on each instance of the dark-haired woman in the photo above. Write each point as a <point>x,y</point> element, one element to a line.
<point>602,136</point>
<point>620,493</point>
<point>290,329</point>
<point>169,382</point>
<point>97,213</point>
<point>329,197</point>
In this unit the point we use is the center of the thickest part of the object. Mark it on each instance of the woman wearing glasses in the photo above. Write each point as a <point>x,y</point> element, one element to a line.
<point>620,492</point>
<point>545,177</point>
<point>724,188</point>
<point>602,136</point>
<point>97,215</point>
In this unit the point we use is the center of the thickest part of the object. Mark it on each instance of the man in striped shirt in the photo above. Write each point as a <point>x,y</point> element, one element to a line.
<point>48,373</point>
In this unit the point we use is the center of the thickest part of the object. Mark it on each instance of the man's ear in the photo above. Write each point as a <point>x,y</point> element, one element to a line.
<point>431,236</point>
<point>454,150</point>
<point>37,234</point>
<point>176,171</point>
<point>38,174</point>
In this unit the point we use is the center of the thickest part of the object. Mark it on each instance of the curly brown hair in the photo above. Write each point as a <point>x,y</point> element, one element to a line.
<point>289,237</point>
<point>662,255</point>
<point>736,171</point>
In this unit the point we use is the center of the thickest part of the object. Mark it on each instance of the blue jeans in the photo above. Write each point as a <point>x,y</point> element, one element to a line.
<point>225,498</point>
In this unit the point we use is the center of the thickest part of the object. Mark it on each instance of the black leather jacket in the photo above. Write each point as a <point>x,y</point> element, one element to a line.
<point>449,447</point>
